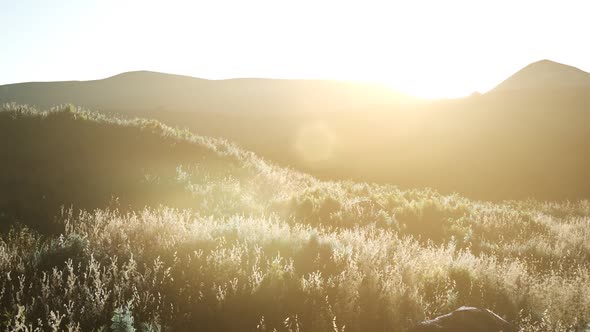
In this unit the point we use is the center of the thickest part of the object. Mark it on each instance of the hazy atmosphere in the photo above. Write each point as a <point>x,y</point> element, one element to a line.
<point>303,166</point>
<point>423,48</point>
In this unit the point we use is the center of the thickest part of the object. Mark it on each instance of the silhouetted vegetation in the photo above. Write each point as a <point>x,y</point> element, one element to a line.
<point>73,157</point>
<point>165,230</point>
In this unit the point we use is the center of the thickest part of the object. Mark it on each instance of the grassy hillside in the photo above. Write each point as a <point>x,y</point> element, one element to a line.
<point>70,156</point>
<point>528,138</point>
<point>502,145</point>
<point>176,231</point>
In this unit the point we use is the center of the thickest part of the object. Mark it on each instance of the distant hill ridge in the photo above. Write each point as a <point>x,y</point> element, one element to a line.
<point>529,137</point>
<point>546,74</point>
<point>147,90</point>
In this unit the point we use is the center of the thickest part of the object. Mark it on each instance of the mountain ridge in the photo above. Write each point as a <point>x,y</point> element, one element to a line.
<point>533,65</point>
<point>142,90</point>
<point>188,93</point>
<point>545,74</point>
<point>509,144</point>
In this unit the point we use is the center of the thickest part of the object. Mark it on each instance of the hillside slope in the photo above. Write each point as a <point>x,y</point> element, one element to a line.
<point>164,229</point>
<point>546,75</point>
<point>145,91</point>
<point>529,137</point>
<point>69,156</point>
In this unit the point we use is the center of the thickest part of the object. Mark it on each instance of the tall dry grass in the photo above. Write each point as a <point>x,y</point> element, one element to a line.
<point>190,233</point>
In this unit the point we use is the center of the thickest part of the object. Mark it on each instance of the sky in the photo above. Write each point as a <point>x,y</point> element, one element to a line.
<point>424,48</point>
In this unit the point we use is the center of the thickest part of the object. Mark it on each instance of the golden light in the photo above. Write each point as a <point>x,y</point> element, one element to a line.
<point>315,142</point>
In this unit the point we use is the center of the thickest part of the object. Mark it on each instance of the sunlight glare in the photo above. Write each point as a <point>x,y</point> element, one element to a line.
<point>315,142</point>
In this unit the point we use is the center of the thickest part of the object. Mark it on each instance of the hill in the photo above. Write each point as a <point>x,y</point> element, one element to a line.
<point>511,143</point>
<point>546,75</point>
<point>164,229</point>
<point>144,91</point>
<point>69,156</point>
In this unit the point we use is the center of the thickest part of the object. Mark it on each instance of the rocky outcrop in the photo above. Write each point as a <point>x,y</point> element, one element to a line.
<point>466,319</point>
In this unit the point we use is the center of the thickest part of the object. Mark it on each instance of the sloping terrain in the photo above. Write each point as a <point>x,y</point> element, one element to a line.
<point>164,229</point>
<point>546,74</point>
<point>528,138</point>
<point>69,156</point>
<point>144,91</point>
<point>502,145</point>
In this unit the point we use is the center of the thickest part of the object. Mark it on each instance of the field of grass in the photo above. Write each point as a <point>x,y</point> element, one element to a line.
<point>118,225</point>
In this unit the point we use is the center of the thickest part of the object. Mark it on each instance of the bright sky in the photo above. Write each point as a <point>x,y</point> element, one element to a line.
<point>426,48</point>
